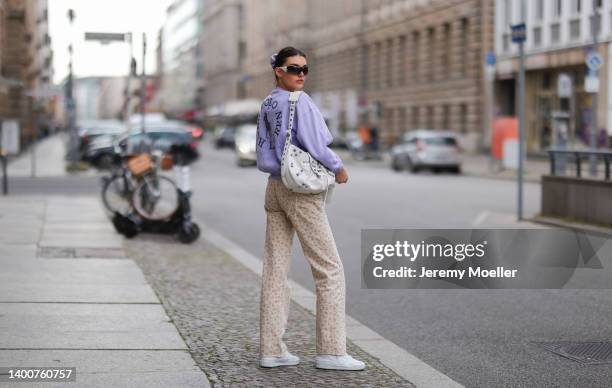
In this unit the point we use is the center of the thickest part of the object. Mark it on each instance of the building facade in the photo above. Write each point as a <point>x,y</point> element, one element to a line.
<point>559,37</point>
<point>103,98</point>
<point>271,25</point>
<point>26,65</point>
<point>397,64</point>
<point>224,47</point>
<point>181,58</point>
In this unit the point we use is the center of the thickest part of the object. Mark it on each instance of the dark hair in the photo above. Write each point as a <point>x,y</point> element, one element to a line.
<point>279,58</point>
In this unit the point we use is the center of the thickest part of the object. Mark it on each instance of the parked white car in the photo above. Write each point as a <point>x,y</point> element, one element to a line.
<point>427,149</point>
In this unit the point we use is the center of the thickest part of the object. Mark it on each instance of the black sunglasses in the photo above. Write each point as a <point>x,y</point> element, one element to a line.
<point>293,69</point>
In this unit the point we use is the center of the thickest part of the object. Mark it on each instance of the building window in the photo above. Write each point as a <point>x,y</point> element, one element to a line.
<point>557,10</point>
<point>446,50</point>
<point>508,13</point>
<point>365,56</point>
<point>402,60</point>
<point>539,10</point>
<point>388,120</point>
<point>389,59</point>
<point>506,42</point>
<point>464,118</point>
<point>595,24</point>
<point>430,117</point>
<point>464,44</point>
<point>401,120</point>
<point>555,32</point>
<point>576,6</point>
<point>578,77</point>
<point>377,67</point>
<point>431,40</point>
<point>446,117</point>
<point>574,26</point>
<point>416,53</point>
<point>546,81</point>
<point>537,36</point>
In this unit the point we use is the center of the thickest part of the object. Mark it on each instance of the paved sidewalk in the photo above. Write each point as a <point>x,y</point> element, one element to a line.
<point>214,302</point>
<point>69,297</point>
<point>473,165</point>
<point>48,159</point>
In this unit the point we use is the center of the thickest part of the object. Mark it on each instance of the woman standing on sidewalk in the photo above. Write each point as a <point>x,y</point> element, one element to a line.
<point>288,212</point>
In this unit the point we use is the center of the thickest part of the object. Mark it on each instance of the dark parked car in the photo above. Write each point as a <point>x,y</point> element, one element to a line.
<point>91,131</point>
<point>161,136</point>
<point>225,137</point>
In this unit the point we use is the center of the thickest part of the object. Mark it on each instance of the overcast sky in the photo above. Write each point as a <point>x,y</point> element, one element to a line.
<point>91,58</point>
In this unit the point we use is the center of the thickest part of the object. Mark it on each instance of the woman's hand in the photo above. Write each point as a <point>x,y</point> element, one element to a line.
<point>342,176</point>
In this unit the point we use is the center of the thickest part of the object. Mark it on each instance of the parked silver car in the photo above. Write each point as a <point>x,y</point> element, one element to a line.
<point>432,149</point>
<point>245,143</point>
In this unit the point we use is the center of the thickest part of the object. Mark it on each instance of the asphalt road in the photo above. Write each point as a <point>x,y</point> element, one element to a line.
<point>480,338</point>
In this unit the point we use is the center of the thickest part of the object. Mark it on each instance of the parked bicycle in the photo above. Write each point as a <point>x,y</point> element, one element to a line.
<point>140,198</point>
<point>137,185</point>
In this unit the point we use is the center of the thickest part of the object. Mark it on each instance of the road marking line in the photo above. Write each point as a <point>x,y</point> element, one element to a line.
<point>480,219</point>
<point>389,354</point>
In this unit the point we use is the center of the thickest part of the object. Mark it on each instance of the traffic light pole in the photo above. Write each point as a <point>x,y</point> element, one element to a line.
<point>143,83</point>
<point>594,118</point>
<point>128,86</point>
<point>73,155</point>
<point>521,112</point>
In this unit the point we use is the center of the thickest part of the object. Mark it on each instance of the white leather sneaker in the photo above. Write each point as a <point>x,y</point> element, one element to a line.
<point>345,362</point>
<point>286,359</point>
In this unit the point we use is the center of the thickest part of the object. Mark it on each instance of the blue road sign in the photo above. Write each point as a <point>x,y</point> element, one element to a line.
<point>490,59</point>
<point>594,61</point>
<point>519,33</point>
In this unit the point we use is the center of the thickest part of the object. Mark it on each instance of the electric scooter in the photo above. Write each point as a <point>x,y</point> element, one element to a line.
<point>180,222</point>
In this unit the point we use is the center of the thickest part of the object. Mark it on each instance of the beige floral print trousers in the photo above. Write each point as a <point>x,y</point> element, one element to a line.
<point>288,212</point>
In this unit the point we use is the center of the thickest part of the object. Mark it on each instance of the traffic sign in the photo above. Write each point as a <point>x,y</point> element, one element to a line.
<point>594,61</point>
<point>106,36</point>
<point>490,66</point>
<point>564,86</point>
<point>591,82</point>
<point>9,141</point>
<point>519,33</point>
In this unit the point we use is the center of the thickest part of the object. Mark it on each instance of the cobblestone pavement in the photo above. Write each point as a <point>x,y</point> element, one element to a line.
<point>214,302</point>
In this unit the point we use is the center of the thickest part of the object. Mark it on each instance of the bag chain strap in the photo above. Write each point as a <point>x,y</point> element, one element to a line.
<point>288,134</point>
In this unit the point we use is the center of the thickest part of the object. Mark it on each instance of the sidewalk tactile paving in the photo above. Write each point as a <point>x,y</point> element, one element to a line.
<point>214,302</point>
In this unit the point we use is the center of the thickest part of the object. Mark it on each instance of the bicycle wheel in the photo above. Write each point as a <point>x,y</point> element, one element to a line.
<point>156,198</point>
<point>116,195</point>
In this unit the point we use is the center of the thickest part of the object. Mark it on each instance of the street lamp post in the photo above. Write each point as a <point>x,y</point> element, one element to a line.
<point>519,35</point>
<point>70,103</point>
<point>128,86</point>
<point>594,118</point>
<point>363,97</point>
<point>143,83</point>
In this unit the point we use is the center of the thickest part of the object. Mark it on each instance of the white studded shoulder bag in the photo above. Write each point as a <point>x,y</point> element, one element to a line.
<point>300,171</point>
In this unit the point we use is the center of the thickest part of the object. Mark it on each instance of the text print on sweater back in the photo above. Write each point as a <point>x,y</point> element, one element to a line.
<point>270,105</point>
<point>268,131</point>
